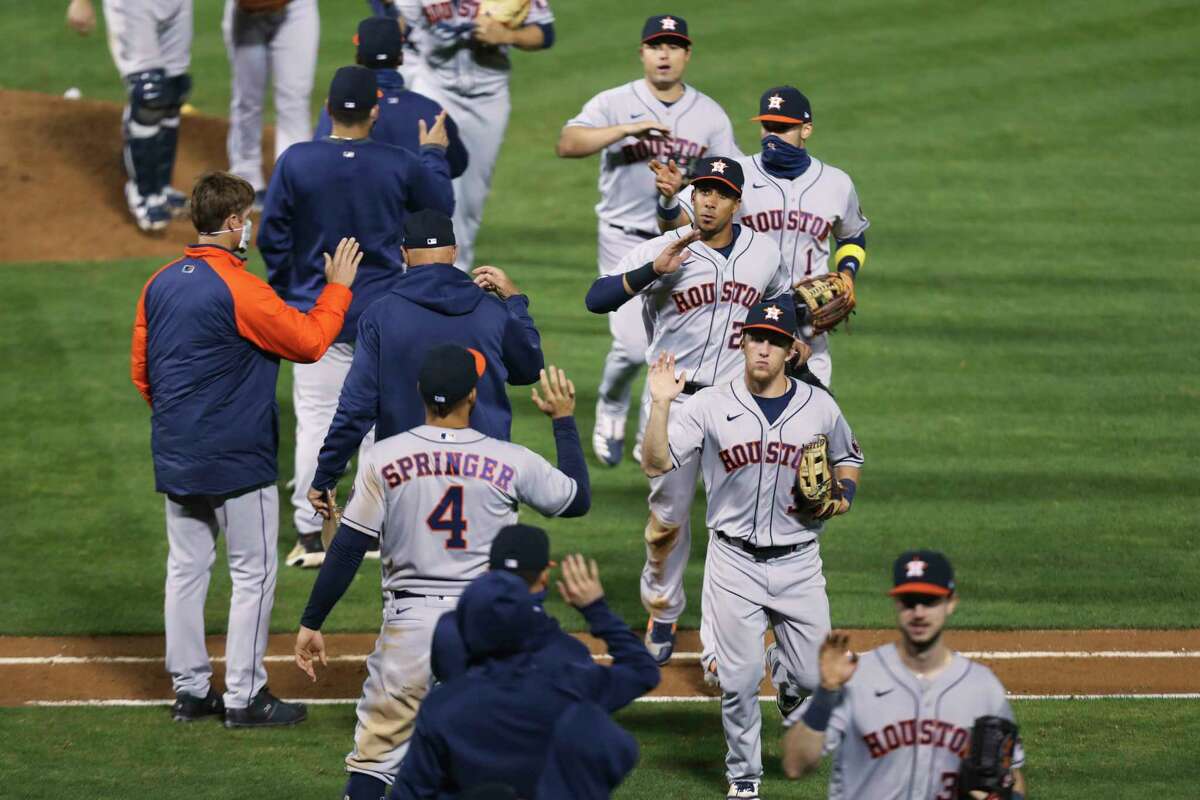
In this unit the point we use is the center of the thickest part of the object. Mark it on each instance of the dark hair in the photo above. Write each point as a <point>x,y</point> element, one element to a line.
<point>775,126</point>
<point>443,410</point>
<point>719,187</point>
<point>215,196</point>
<point>343,117</point>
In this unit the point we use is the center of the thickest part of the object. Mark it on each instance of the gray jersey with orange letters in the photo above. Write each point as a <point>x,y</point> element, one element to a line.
<point>437,497</point>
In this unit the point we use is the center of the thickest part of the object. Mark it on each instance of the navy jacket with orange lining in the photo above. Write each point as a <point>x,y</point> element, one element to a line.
<point>206,347</point>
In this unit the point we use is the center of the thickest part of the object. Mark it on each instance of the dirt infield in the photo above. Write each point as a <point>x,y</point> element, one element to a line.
<point>68,179</point>
<point>1028,662</point>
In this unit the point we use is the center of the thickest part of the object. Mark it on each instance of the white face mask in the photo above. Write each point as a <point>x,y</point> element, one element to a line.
<point>244,244</point>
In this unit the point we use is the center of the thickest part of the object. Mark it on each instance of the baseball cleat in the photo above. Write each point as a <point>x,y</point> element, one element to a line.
<point>660,640</point>
<point>744,790</point>
<point>787,696</point>
<point>150,213</point>
<point>177,201</point>
<point>265,711</point>
<point>608,438</point>
<point>189,708</point>
<point>308,553</point>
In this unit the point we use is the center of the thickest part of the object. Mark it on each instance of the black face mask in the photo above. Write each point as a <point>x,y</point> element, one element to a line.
<point>784,160</point>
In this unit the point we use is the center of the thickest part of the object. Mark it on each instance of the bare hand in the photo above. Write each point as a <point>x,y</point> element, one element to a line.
<point>490,31</point>
<point>665,386</point>
<point>343,266</point>
<point>674,254</point>
<point>435,136</point>
<point>494,279</point>
<point>801,352</point>
<point>310,648</point>
<point>838,661</point>
<point>557,398</point>
<point>667,178</point>
<point>322,502</point>
<point>81,17</point>
<point>646,128</point>
<point>580,584</point>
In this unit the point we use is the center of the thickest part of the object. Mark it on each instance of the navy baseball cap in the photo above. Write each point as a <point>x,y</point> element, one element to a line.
<point>665,27</point>
<point>784,104</point>
<point>449,373</point>
<point>353,89</point>
<point>778,315</point>
<point>428,228</point>
<point>720,170</point>
<point>520,548</point>
<point>379,41</point>
<point>922,572</point>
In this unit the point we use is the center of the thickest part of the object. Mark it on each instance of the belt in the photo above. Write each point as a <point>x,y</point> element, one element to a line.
<point>763,553</point>
<point>400,594</point>
<point>692,388</point>
<point>633,231</point>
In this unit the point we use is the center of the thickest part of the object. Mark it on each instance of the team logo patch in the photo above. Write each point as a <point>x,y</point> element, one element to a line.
<point>349,104</point>
<point>347,154</point>
<point>773,313</point>
<point>188,268</point>
<point>915,568</point>
<point>668,24</point>
<point>431,240</point>
<point>774,101</point>
<point>718,167</point>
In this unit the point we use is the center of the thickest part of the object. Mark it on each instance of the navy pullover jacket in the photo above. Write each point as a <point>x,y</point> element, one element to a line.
<point>590,757</point>
<point>323,191</point>
<point>399,110</point>
<point>430,305</point>
<point>495,723</point>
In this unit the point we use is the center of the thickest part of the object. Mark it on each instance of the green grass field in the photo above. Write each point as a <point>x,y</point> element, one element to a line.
<point>1022,374</point>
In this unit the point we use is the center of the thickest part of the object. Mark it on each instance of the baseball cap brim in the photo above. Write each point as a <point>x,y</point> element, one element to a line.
<point>778,118</point>
<point>480,361</point>
<point>765,327</point>
<point>667,35</point>
<point>718,179</point>
<point>920,588</point>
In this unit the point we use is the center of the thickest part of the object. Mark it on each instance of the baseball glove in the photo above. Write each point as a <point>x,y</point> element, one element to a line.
<point>817,493</point>
<point>509,13</point>
<point>261,6</point>
<point>987,766</point>
<point>828,298</point>
<point>329,527</point>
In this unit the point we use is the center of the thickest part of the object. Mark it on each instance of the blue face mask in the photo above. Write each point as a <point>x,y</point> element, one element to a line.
<point>784,160</point>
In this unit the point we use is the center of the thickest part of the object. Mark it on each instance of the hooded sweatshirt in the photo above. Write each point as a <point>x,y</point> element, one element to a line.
<point>495,723</point>
<point>590,757</point>
<point>429,305</point>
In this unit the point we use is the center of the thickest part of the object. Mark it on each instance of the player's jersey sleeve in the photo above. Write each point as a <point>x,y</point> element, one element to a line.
<point>646,251</point>
<point>541,486</point>
<point>539,13</point>
<point>596,113</point>
<point>685,432</point>
<point>843,447</point>
<point>368,506</point>
<point>852,221</point>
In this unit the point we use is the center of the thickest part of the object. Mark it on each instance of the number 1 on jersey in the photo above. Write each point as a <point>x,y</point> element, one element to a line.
<point>447,515</point>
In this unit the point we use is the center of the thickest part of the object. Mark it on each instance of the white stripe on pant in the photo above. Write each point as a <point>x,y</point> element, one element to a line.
<point>250,522</point>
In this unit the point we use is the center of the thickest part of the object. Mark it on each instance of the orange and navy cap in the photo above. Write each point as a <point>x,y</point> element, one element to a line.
<point>665,27</point>
<point>720,170</point>
<point>922,572</point>
<point>784,104</point>
<point>353,89</point>
<point>778,315</point>
<point>379,42</point>
<point>449,373</point>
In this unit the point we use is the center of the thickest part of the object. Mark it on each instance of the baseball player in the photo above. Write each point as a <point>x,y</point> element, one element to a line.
<point>343,184</point>
<point>464,65</point>
<point>434,497</point>
<point>657,117</point>
<point>696,285</point>
<point>898,718</point>
<point>798,200</point>
<point>273,40</point>
<point>379,45</point>
<point>763,566</point>
<point>151,44</point>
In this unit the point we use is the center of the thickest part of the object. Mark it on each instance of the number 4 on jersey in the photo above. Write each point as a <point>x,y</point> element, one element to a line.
<point>447,516</point>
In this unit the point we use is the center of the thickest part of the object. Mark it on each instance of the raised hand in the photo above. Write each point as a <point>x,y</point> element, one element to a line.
<point>557,398</point>
<point>674,254</point>
<point>436,135</point>
<point>668,179</point>
<point>81,17</point>
<point>665,385</point>
<point>580,584</point>
<point>837,661</point>
<point>494,279</point>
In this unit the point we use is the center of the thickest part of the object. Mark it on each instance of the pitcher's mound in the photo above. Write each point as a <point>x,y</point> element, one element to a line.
<point>61,180</point>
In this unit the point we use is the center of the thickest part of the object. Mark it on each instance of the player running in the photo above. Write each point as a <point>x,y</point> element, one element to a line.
<point>655,118</point>
<point>696,286</point>
<point>791,196</point>
<point>898,718</point>
<point>434,497</point>
<point>763,566</point>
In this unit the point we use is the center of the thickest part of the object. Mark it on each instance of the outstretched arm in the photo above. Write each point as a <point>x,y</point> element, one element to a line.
<point>665,386</point>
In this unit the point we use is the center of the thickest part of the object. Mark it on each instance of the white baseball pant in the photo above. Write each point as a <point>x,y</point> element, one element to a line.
<point>627,354</point>
<point>149,34</point>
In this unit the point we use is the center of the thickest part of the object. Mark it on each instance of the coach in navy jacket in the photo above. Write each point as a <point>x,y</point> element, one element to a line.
<point>433,303</point>
<point>495,723</point>
<point>380,47</point>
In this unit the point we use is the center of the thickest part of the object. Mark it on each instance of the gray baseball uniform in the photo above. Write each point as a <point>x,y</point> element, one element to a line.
<point>749,468</point>
<point>803,215</point>
<point>470,81</point>
<point>436,498</point>
<point>280,46</point>
<point>896,736</point>
<point>626,211</point>
<point>697,314</point>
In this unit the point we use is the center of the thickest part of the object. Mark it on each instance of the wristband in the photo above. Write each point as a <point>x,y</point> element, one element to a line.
<point>668,203</point>
<point>820,709</point>
<point>849,487</point>
<point>641,277</point>
<point>669,213</point>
